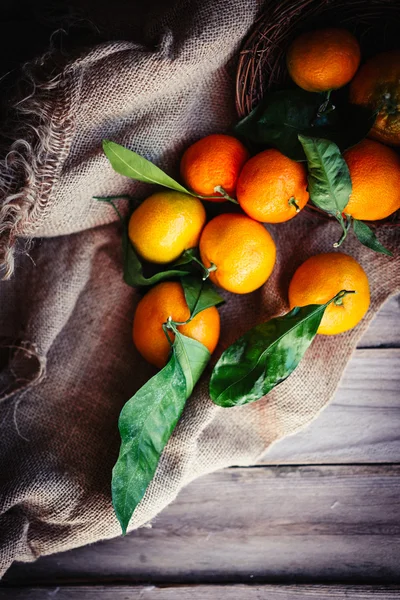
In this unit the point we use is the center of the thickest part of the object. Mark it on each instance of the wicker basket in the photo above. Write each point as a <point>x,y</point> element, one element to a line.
<point>262,60</point>
<point>376,24</point>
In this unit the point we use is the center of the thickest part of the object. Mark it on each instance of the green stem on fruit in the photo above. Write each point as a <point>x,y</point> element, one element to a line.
<point>292,202</point>
<point>211,269</point>
<point>167,327</point>
<point>323,109</point>
<point>172,325</point>
<point>338,299</point>
<point>206,270</point>
<point>222,192</point>
<point>345,224</point>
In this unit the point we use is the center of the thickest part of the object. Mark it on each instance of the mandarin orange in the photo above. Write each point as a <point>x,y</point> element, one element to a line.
<point>166,224</point>
<point>375,176</point>
<point>242,251</point>
<point>377,86</point>
<point>167,299</point>
<point>272,188</point>
<point>323,60</point>
<point>212,162</point>
<point>320,278</point>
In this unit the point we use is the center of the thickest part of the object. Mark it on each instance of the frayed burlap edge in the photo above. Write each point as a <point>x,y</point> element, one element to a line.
<point>33,163</point>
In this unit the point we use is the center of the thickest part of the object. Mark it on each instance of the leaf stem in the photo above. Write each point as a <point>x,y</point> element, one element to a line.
<point>318,308</point>
<point>220,190</point>
<point>224,194</point>
<point>345,224</point>
<point>323,109</point>
<point>117,197</point>
<point>172,325</point>
<point>167,327</point>
<point>109,200</point>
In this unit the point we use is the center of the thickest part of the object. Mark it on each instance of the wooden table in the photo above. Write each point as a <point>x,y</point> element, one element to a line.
<point>318,518</point>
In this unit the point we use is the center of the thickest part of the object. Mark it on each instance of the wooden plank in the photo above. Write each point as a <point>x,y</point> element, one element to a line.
<point>205,592</point>
<point>254,525</point>
<point>361,424</point>
<point>384,330</point>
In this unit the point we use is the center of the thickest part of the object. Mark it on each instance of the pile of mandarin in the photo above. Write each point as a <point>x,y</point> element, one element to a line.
<point>235,248</point>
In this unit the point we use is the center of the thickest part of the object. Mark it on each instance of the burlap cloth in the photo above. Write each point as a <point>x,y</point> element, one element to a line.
<point>67,358</point>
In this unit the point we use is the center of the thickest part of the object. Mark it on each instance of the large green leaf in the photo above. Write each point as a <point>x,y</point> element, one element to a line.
<point>278,120</point>
<point>146,424</point>
<point>147,421</point>
<point>199,294</point>
<point>329,180</point>
<point>128,163</point>
<point>265,356</point>
<point>281,116</point>
<point>367,237</point>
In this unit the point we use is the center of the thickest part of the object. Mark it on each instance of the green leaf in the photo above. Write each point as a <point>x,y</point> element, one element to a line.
<point>264,356</point>
<point>147,421</point>
<point>146,424</point>
<point>186,257</point>
<point>133,268</point>
<point>111,200</point>
<point>278,120</point>
<point>199,294</point>
<point>193,358</point>
<point>367,237</point>
<point>281,116</point>
<point>329,180</point>
<point>128,163</point>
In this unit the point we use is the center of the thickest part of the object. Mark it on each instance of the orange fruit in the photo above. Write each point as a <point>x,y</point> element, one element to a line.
<point>323,276</point>
<point>377,86</point>
<point>242,250</point>
<point>272,188</point>
<point>166,224</point>
<point>213,161</point>
<point>167,299</point>
<point>375,176</point>
<point>323,60</point>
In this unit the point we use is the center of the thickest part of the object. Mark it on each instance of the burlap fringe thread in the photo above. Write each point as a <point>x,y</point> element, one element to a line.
<point>29,169</point>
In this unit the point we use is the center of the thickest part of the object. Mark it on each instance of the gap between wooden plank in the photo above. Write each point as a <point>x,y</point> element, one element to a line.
<point>362,422</point>
<point>351,400</point>
<point>203,592</point>
<point>254,525</point>
<point>384,331</point>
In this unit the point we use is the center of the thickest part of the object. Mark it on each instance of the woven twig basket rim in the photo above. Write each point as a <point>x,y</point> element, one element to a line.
<point>261,59</point>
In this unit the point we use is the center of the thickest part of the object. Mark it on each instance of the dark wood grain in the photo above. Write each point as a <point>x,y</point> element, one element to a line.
<point>260,524</point>
<point>209,592</point>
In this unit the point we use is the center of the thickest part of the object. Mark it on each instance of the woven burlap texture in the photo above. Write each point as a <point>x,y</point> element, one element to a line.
<point>68,360</point>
